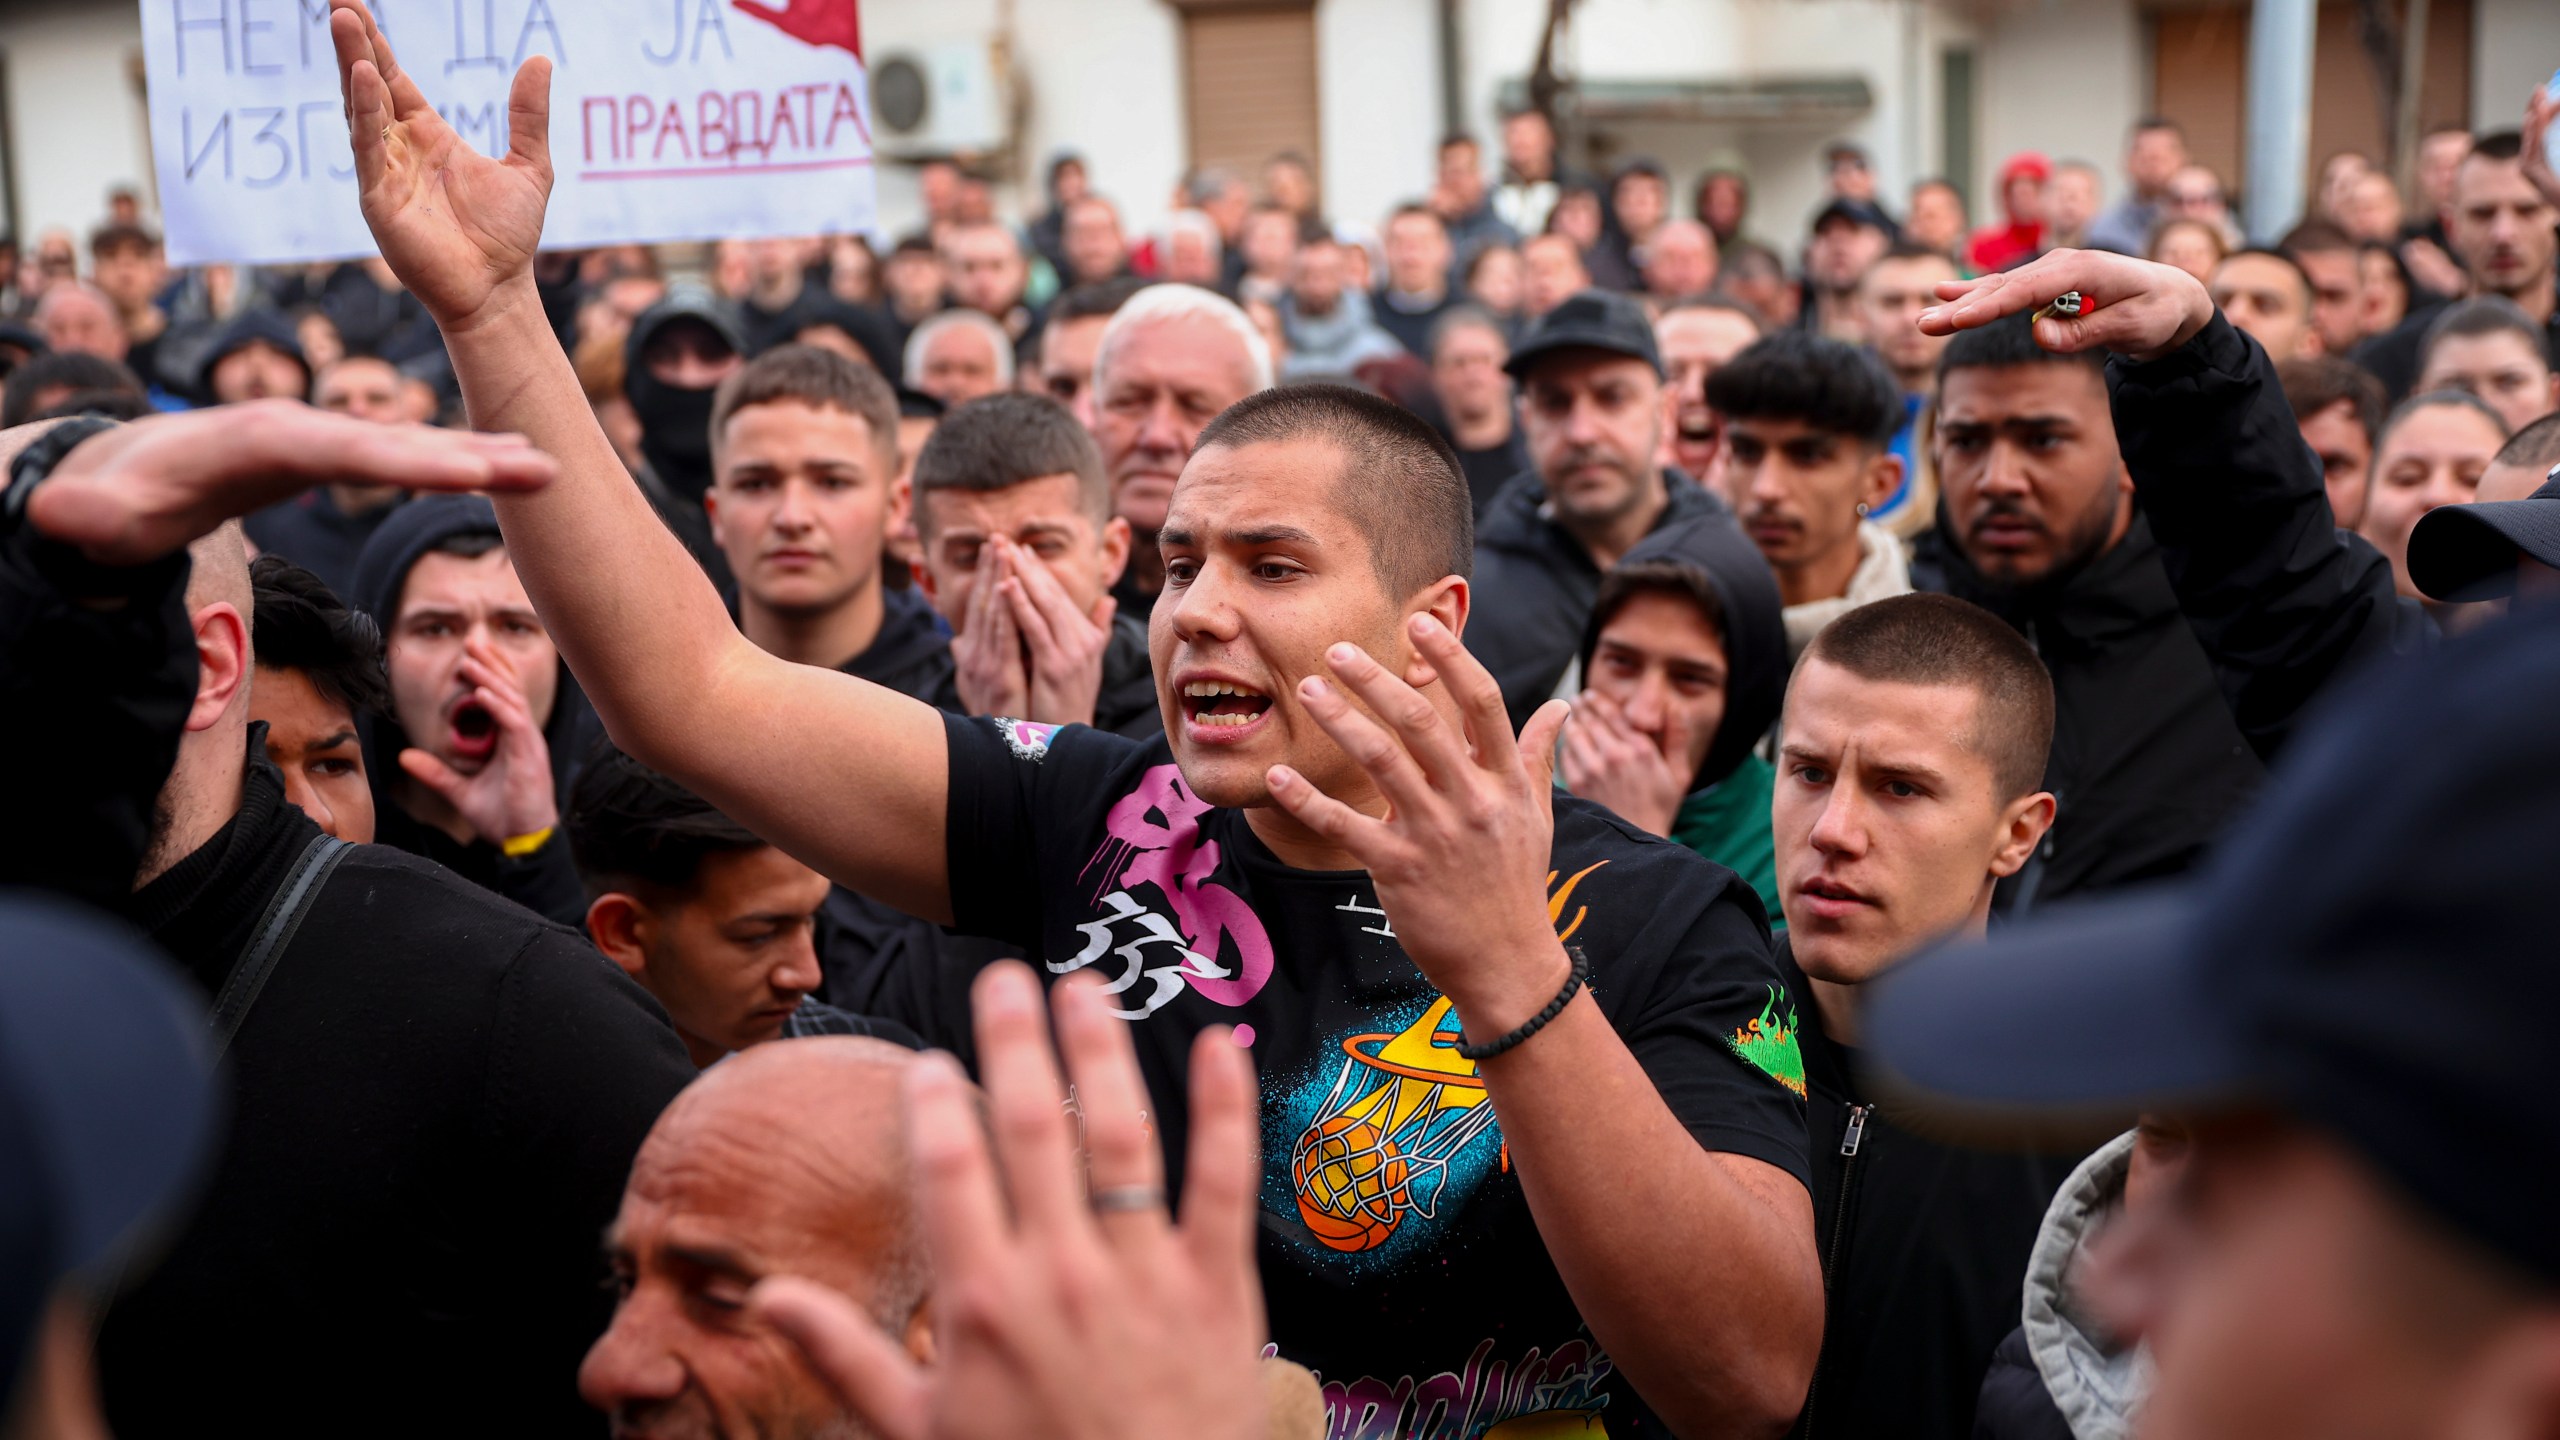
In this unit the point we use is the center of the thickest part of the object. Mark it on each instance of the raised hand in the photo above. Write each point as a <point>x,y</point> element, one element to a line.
<point>458,227</point>
<point>1065,645</point>
<point>818,22</point>
<point>130,495</point>
<point>1061,1310</point>
<point>1609,761</point>
<point>2135,308</point>
<point>989,669</point>
<point>2541,112</point>
<point>1461,859</point>
<point>510,796</point>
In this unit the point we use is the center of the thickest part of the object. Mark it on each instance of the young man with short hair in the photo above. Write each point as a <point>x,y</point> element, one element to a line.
<point>1020,553</point>
<point>2487,347</point>
<point>2338,404</point>
<point>1697,338</point>
<point>718,926</point>
<point>2268,296</point>
<point>1415,294</point>
<point>319,674</point>
<point>1891,296</point>
<point>1911,762</point>
<point>1467,355</point>
<point>486,724</point>
<point>2500,227</point>
<point>1807,424</point>
<point>1247,871</point>
<point>2186,636</point>
<point>802,502</point>
<point>2333,263</point>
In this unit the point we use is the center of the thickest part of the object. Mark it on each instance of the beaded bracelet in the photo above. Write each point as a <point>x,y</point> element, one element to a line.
<point>1537,1022</point>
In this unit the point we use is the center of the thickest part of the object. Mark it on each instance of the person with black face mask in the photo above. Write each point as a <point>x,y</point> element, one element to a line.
<point>679,351</point>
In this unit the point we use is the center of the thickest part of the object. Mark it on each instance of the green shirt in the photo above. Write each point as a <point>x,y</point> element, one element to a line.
<point>1728,822</point>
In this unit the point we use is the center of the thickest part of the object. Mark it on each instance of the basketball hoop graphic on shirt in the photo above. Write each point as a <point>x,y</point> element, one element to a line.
<point>1380,1144</point>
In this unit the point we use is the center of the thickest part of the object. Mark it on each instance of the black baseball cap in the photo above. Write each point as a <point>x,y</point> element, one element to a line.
<point>107,1104</point>
<point>2469,552</point>
<point>2370,952</point>
<point>1856,212</point>
<point>1588,320</point>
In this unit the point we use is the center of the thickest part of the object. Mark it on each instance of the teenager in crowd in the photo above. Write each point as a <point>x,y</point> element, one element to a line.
<point>2432,452</point>
<point>1682,671</point>
<point>2339,408</point>
<point>320,674</point>
<point>1808,423</point>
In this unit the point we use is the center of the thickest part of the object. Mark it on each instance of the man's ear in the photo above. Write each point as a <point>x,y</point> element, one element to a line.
<point>1116,537</point>
<point>2022,829</point>
<point>1446,600</point>
<point>222,663</point>
<point>919,1334</point>
<point>1884,476</point>
<point>711,510</point>
<point>619,926</point>
<point>924,580</point>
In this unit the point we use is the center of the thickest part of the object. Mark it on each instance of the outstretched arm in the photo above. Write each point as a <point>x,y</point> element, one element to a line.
<point>847,775</point>
<point>2280,598</point>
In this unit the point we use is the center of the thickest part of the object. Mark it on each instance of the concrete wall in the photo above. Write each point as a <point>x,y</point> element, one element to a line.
<point>75,118</point>
<point>2515,45</point>
<point>2066,77</point>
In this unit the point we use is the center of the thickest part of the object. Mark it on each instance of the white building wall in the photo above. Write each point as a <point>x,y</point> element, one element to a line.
<point>1378,103</point>
<point>76,122</point>
<point>2066,77</point>
<point>2515,45</point>
<point>1104,78</point>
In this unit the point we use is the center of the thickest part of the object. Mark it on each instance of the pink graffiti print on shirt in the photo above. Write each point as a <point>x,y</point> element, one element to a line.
<point>1154,840</point>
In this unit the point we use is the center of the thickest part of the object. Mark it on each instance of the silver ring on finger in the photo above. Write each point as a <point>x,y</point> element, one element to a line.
<point>1124,1199</point>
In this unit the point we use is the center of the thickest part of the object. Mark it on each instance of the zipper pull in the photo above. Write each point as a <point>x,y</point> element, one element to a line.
<point>1857,1129</point>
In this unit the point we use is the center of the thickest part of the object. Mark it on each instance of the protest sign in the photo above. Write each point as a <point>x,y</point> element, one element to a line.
<point>670,119</point>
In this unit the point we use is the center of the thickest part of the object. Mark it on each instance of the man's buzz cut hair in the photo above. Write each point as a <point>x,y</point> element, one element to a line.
<point>1400,482</point>
<point>999,441</point>
<point>1930,639</point>
<point>819,379</point>
<point>2536,446</point>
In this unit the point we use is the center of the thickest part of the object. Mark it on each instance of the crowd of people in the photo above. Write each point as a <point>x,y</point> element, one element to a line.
<point>1548,818</point>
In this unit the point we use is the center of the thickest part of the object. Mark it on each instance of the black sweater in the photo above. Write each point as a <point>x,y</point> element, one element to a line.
<point>437,1099</point>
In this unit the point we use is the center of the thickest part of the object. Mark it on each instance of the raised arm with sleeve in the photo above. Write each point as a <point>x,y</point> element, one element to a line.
<point>2281,599</point>
<point>100,670</point>
<point>847,775</point>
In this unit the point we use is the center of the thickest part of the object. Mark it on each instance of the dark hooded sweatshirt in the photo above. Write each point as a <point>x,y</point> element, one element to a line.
<point>1534,584</point>
<point>1726,816</point>
<point>675,437</point>
<point>545,881</point>
<point>436,1097</point>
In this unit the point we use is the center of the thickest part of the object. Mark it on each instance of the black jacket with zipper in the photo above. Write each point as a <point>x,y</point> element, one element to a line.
<point>2184,655</point>
<point>1924,1249</point>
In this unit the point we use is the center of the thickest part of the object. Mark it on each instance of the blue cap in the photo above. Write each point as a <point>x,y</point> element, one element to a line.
<point>2369,952</point>
<point>107,1104</point>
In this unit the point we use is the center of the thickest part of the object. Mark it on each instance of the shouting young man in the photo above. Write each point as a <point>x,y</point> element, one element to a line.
<point>1338,855</point>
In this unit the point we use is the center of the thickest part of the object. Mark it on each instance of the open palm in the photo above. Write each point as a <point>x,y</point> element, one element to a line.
<point>456,225</point>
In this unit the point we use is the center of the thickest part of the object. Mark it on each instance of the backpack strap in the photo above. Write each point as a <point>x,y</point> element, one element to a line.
<point>267,944</point>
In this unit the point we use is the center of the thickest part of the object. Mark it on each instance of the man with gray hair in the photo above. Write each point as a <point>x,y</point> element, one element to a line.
<point>1170,360</point>
<point>783,1159</point>
<point>959,355</point>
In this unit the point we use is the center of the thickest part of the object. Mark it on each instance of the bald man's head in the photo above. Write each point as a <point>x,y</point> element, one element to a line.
<point>785,1159</point>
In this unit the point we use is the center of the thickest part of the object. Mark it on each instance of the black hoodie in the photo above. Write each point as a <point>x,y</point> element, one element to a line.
<point>1755,633</point>
<point>1534,584</point>
<point>675,427</point>
<point>545,881</point>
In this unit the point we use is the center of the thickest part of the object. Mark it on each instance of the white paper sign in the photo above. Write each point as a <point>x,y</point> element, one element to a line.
<point>670,119</point>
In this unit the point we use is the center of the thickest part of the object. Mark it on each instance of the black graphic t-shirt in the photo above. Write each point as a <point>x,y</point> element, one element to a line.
<point>1399,1257</point>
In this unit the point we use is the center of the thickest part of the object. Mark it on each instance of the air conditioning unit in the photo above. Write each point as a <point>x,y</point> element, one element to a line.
<point>936,100</point>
